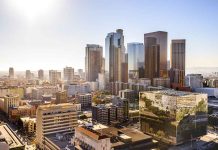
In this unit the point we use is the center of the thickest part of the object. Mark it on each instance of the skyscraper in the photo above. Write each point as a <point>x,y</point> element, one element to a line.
<point>177,72</point>
<point>41,74</point>
<point>152,58</point>
<point>68,74</point>
<point>28,74</point>
<point>93,61</point>
<point>11,73</point>
<point>54,77</point>
<point>161,39</point>
<point>124,69</point>
<point>136,60</point>
<point>114,54</point>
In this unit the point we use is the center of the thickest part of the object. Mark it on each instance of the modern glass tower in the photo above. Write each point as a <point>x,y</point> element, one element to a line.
<point>152,58</point>
<point>93,60</point>
<point>161,38</point>
<point>114,55</point>
<point>136,62</point>
<point>177,72</point>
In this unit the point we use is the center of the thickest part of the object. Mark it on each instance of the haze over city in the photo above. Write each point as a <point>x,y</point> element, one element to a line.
<point>52,34</point>
<point>108,75</point>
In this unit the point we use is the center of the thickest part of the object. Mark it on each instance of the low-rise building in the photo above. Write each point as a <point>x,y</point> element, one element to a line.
<point>10,101</point>
<point>61,97</point>
<point>8,139</point>
<point>194,81</point>
<point>15,113</point>
<point>128,94</point>
<point>29,124</point>
<point>38,92</point>
<point>111,138</point>
<point>164,82</point>
<point>85,100</point>
<point>73,89</point>
<point>109,113</point>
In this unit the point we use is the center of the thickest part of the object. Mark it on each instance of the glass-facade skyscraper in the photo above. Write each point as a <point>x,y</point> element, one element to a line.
<point>135,60</point>
<point>93,61</point>
<point>114,55</point>
<point>177,72</point>
<point>161,40</point>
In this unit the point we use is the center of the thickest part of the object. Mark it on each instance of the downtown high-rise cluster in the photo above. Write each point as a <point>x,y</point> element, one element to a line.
<point>140,60</point>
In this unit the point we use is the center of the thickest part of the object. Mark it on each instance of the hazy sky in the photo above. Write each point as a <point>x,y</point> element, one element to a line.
<point>52,34</point>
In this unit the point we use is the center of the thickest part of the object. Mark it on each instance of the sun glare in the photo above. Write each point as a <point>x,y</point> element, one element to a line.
<point>32,9</point>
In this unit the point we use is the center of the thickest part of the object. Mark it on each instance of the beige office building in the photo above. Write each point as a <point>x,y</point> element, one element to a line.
<point>61,97</point>
<point>54,119</point>
<point>10,101</point>
<point>68,74</point>
<point>54,77</point>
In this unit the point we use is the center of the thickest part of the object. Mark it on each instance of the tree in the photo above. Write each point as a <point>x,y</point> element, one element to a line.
<point>160,133</point>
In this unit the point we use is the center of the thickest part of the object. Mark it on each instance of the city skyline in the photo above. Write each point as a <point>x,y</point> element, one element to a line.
<point>56,37</point>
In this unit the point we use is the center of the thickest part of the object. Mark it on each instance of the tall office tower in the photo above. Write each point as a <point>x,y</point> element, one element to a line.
<point>177,72</point>
<point>41,74</point>
<point>53,120</point>
<point>136,58</point>
<point>68,74</point>
<point>93,61</point>
<point>28,74</point>
<point>161,37</point>
<point>152,58</point>
<point>54,77</point>
<point>124,69</point>
<point>103,65</point>
<point>61,97</point>
<point>114,55</point>
<point>11,73</point>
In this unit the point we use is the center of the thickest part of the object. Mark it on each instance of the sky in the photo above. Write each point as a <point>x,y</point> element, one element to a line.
<point>52,34</point>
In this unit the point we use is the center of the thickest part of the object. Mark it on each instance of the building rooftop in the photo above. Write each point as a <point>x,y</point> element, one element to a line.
<point>9,137</point>
<point>171,92</point>
<point>55,106</point>
<point>11,95</point>
<point>61,140</point>
<point>134,134</point>
<point>127,90</point>
<point>26,119</point>
<point>91,133</point>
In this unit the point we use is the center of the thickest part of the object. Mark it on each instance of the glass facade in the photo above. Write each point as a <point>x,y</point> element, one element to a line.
<point>114,55</point>
<point>136,60</point>
<point>173,117</point>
